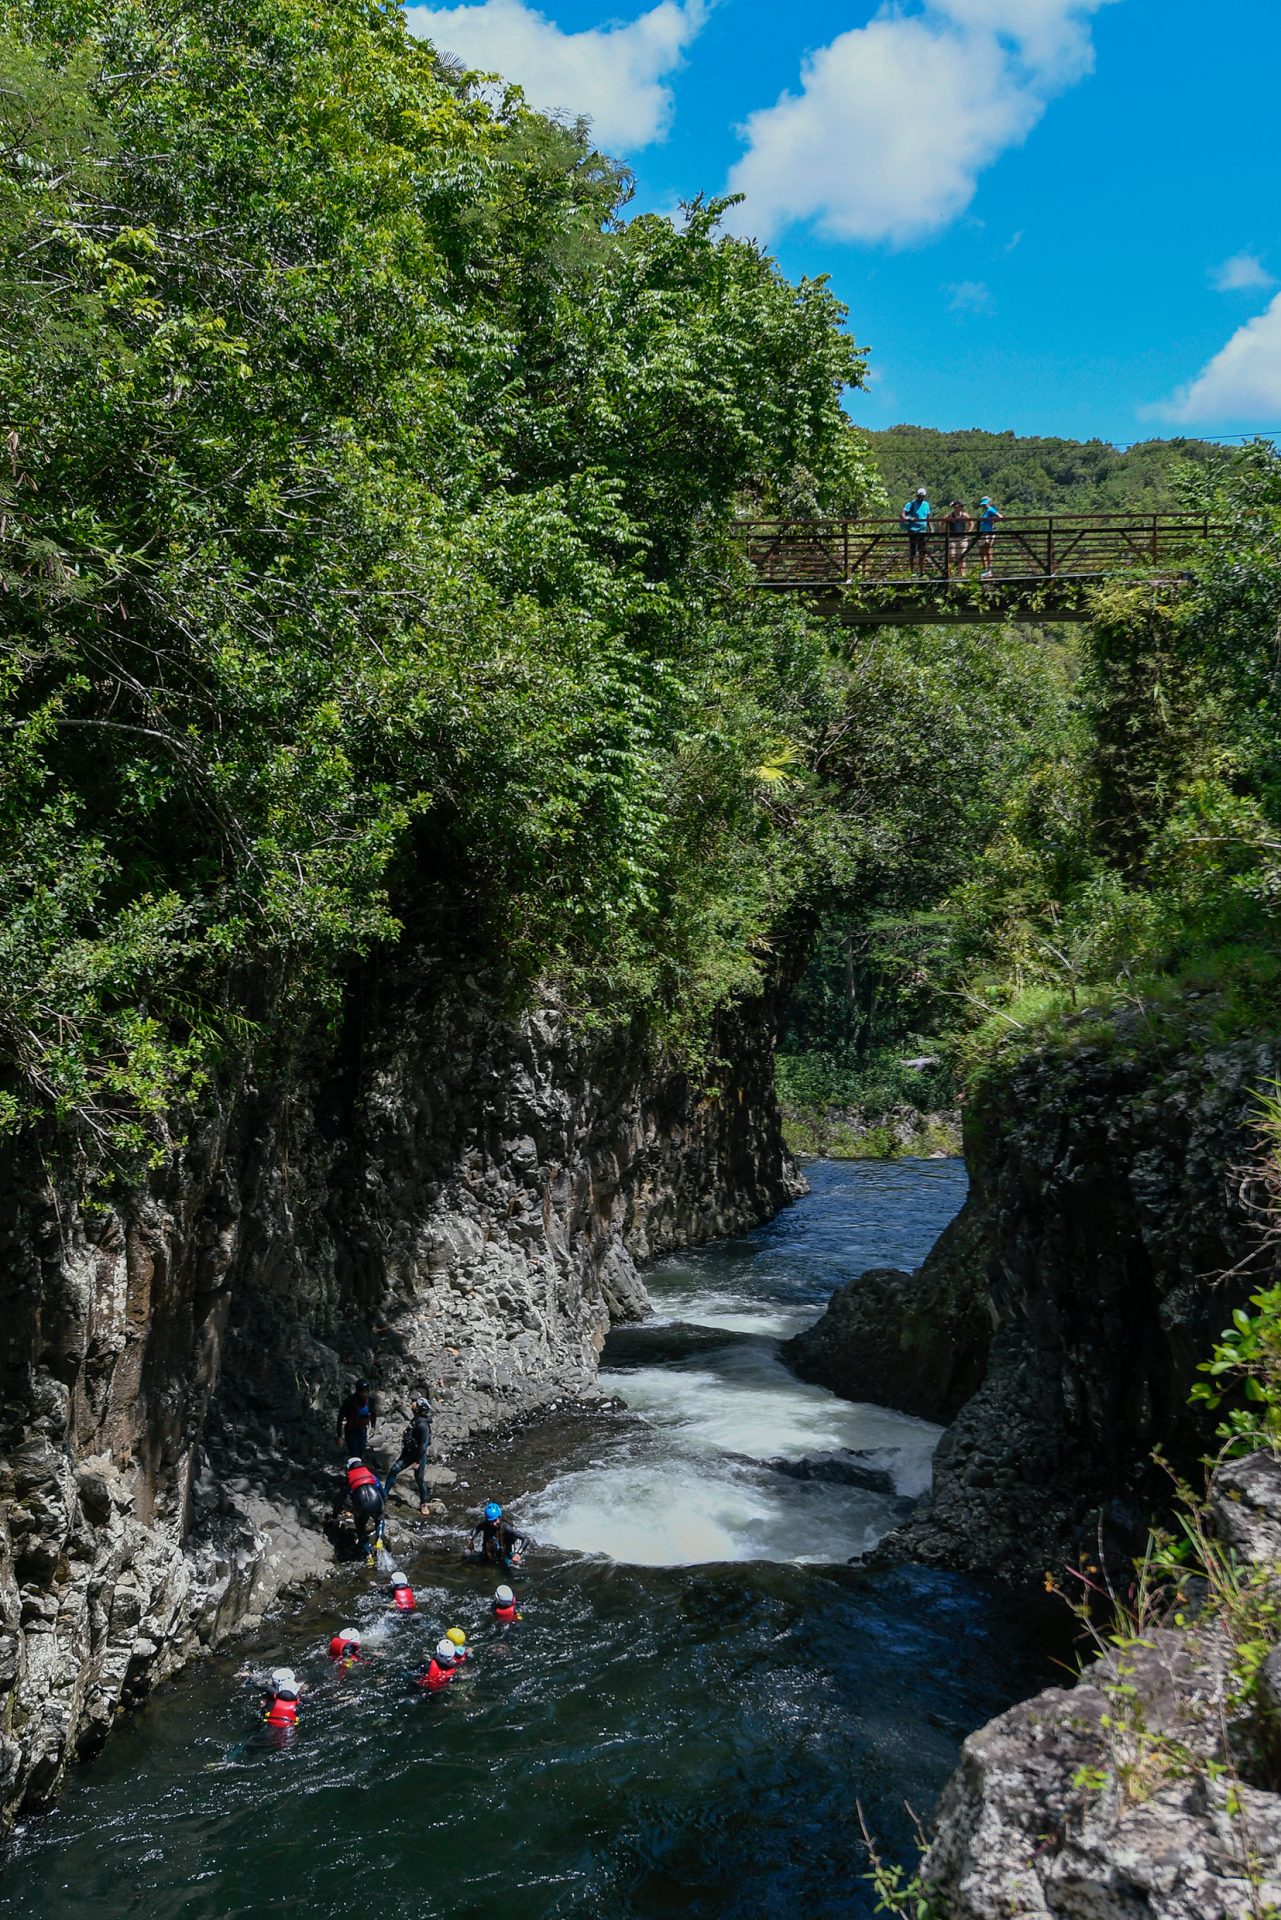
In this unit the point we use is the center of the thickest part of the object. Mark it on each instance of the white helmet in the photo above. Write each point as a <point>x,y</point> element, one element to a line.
<point>350,1634</point>
<point>355,1461</point>
<point>446,1653</point>
<point>284,1681</point>
<point>399,1579</point>
<point>504,1596</point>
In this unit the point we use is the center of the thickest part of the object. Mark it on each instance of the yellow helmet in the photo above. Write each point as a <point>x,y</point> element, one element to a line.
<point>457,1635</point>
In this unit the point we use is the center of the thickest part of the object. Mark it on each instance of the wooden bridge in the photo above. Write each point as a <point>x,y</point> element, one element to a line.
<point>1043,565</point>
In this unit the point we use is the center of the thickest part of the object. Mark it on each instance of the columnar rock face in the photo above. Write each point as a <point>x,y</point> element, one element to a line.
<point>436,1196</point>
<point>1149,1789</point>
<point>1108,1192</point>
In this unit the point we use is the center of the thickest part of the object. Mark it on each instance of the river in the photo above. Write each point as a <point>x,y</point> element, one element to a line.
<point>701,1692</point>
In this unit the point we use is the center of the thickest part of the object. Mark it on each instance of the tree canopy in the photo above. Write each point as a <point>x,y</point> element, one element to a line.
<point>366,550</point>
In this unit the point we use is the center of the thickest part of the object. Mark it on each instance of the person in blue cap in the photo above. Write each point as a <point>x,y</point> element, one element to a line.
<point>915,519</point>
<point>499,1543</point>
<point>988,517</point>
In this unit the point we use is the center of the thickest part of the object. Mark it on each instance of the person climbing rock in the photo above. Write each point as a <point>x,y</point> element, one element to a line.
<point>402,1594</point>
<point>505,1613</point>
<point>280,1701</point>
<point>345,1647</point>
<point>499,1543</point>
<point>415,1444</point>
<point>357,1418</point>
<point>362,1493</point>
<point>441,1669</point>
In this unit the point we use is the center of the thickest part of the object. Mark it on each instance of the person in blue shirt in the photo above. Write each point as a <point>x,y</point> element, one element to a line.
<point>988,517</point>
<point>916,518</point>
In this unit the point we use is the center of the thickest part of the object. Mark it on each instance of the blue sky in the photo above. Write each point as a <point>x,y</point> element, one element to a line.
<point>1055,216</point>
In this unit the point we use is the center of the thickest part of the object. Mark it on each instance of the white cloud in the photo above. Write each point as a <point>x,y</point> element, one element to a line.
<point>970,296</point>
<point>614,74</point>
<point>1243,272</point>
<point>1241,384</point>
<point>896,120</point>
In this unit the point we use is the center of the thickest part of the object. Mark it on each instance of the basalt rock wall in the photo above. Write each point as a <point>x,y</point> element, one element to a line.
<point>1109,1193</point>
<point>434,1194</point>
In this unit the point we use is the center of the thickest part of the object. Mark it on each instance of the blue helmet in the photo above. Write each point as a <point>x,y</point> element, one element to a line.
<point>492,1510</point>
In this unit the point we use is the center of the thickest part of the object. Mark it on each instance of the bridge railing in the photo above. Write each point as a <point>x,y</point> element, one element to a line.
<point>801,554</point>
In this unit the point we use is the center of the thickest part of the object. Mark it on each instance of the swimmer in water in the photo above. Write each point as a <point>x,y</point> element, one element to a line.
<point>441,1669</point>
<point>345,1647</point>
<point>500,1544</point>
<point>280,1700</point>
<point>402,1594</point>
<point>505,1614</point>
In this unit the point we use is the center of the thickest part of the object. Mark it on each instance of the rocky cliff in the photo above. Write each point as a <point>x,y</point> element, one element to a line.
<point>435,1194</point>
<point>1149,1789</point>
<point>1108,1193</point>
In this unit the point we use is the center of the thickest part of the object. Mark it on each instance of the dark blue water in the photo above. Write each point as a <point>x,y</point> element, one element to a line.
<point>685,1738</point>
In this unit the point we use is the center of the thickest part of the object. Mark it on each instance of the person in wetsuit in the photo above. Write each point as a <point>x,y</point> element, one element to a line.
<point>345,1647</point>
<point>357,1418</point>
<point>280,1700</point>
<point>362,1493</point>
<point>500,1544</point>
<point>505,1614</point>
<point>444,1664</point>
<point>415,1443</point>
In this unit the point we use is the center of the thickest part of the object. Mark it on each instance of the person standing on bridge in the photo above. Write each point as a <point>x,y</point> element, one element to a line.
<point>958,525</point>
<point>988,517</point>
<point>916,518</point>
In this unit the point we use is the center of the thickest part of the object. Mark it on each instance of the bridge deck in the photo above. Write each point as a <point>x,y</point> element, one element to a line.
<point>859,570</point>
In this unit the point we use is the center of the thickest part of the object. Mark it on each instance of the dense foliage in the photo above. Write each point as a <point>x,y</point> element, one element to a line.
<point>367,559</point>
<point>1033,473</point>
<point>1135,851</point>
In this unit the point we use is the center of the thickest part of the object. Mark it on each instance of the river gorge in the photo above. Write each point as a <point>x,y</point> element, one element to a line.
<point>701,1690</point>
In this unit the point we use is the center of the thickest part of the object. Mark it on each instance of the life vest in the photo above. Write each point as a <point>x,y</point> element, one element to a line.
<point>403,1599</point>
<point>361,1476</point>
<point>436,1677</point>
<point>506,1615</point>
<point>340,1649</point>
<point>283,1710</point>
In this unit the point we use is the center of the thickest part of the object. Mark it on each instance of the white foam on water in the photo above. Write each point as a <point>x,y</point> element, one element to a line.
<point>750,1404</point>
<point>734,1313</point>
<point>681,1512</point>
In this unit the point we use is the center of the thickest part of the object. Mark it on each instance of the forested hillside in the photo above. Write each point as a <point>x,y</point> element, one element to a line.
<point>1034,474</point>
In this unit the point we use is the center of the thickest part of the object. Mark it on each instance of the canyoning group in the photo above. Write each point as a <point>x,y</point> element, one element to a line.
<point>492,1541</point>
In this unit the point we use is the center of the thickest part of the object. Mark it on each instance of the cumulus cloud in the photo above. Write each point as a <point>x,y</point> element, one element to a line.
<point>614,74</point>
<point>1241,384</point>
<point>1243,272</point>
<point>895,120</point>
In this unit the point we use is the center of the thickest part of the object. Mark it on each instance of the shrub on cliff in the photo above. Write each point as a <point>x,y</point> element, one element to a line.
<point>365,511</point>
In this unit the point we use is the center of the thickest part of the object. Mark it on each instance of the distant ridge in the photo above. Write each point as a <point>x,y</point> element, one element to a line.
<point>1030,474</point>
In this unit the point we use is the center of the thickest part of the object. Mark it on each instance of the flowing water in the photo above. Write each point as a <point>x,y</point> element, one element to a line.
<point>700,1693</point>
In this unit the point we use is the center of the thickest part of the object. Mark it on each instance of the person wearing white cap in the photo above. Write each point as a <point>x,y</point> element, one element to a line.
<point>444,1663</point>
<point>915,518</point>
<point>280,1701</point>
<point>345,1646</point>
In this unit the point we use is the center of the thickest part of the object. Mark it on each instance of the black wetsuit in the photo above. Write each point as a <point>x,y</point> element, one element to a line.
<point>499,1542</point>
<point>365,1498</point>
<point>415,1443</point>
<point>357,1418</point>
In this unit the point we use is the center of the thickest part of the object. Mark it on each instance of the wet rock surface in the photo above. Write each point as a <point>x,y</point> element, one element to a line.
<point>916,1342</point>
<point>1126,1795</point>
<point>1108,1193</point>
<point>438,1196</point>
